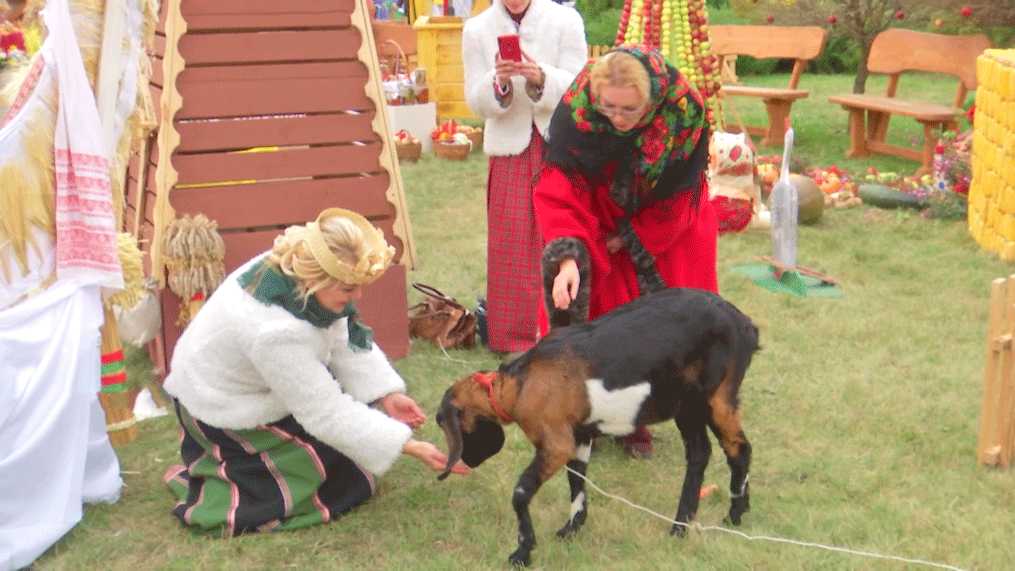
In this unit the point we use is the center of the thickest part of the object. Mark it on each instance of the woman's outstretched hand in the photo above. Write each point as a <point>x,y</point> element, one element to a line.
<point>403,409</point>
<point>432,456</point>
<point>565,285</point>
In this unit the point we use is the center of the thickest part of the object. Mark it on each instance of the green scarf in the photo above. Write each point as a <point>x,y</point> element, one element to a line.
<point>272,287</point>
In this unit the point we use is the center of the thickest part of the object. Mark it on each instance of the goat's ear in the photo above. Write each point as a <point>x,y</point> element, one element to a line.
<point>485,440</point>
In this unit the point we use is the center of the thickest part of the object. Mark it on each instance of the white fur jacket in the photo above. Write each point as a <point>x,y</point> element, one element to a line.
<point>242,363</point>
<point>554,36</point>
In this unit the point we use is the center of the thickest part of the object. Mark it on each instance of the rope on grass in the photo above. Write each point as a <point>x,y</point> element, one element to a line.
<point>699,527</point>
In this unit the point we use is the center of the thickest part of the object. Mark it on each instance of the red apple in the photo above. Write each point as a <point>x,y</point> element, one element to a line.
<point>967,11</point>
<point>900,14</point>
<point>939,22</point>
<point>769,18</point>
<point>833,19</point>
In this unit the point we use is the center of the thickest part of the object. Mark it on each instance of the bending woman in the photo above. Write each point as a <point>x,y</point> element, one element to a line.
<point>622,200</point>
<point>289,410</point>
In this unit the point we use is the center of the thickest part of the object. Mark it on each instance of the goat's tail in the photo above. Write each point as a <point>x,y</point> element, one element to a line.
<point>733,349</point>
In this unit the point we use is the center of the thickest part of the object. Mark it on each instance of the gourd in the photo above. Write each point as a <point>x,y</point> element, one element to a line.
<point>887,197</point>
<point>810,199</point>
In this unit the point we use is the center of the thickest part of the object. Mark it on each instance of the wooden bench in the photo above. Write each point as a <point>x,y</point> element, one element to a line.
<point>894,52</point>
<point>799,43</point>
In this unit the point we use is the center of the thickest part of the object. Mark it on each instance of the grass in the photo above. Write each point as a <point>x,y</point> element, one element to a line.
<point>863,412</point>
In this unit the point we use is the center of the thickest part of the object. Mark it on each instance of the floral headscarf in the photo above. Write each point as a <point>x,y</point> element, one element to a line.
<point>665,153</point>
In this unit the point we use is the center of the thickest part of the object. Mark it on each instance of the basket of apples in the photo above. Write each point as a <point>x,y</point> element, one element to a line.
<point>408,147</point>
<point>449,143</point>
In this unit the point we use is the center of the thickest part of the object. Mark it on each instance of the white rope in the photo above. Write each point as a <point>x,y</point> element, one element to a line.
<point>699,527</point>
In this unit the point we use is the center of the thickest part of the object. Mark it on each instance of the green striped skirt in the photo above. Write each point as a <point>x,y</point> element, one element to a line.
<point>273,477</point>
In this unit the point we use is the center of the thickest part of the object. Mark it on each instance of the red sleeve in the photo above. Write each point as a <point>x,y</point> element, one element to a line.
<point>565,209</point>
<point>666,222</point>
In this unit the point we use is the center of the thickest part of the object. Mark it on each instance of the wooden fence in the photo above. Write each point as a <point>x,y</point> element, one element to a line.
<point>997,414</point>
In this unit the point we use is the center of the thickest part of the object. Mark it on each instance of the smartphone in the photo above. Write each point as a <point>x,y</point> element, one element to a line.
<point>509,48</point>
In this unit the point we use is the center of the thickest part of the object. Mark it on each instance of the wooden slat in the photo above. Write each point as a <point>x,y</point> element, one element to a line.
<point>268,46</point>
<point>264,204</point>
<point>896,50</point>
<point>765,92</point>
<point>271,90</point>
<point>248,132</point>
<point>246,14</point>
<point>992,382</point>
<point>763,42</point>
<point>281,164</point>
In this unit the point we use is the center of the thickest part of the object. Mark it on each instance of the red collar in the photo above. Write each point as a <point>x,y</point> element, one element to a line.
<point>486,380</point>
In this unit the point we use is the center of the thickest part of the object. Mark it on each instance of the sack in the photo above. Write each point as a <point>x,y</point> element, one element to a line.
<point>442,320</point>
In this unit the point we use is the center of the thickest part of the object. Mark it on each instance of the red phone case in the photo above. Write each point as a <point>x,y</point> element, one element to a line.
<point>509,47</point>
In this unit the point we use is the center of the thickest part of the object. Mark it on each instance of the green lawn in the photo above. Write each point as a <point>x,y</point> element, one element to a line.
<point>863,412</point>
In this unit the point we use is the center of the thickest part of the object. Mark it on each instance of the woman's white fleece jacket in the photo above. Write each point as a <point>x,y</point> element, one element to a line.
<point>552,35</point>
<point>242,363</point>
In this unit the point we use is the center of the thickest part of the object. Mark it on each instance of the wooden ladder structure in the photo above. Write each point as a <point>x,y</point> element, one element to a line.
<point>997,411</point>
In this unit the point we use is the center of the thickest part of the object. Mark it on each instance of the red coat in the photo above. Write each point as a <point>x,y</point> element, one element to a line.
<point>682,238</point>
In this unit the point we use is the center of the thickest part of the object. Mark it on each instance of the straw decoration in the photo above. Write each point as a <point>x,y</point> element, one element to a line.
<point>193,252</point>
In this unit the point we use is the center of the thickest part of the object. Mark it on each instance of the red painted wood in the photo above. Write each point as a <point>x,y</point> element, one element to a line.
<point>263,204</point>
<point>274,165</point>
<point>272,90</point>
<point>247,132</point>
<point>276,46</point>
<point>246,14</point>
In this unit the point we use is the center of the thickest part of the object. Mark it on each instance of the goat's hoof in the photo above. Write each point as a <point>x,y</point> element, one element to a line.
<point>520,558</point>
<point>571,527</point>
<point>567,532</point>
<point>678,530</point>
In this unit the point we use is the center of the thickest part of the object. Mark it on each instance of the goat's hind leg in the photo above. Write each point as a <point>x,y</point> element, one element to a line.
<point>579,498</point>
<point>725,424</point>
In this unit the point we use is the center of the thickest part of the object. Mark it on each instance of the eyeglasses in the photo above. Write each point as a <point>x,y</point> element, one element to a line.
<point>628,113</point>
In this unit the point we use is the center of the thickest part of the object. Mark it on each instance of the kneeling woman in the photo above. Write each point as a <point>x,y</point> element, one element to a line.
<point>289,410</point>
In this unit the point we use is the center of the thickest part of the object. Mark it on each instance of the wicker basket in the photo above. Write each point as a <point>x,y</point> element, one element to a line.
<point>477,140</point>
<point>409,151</point>
<point>451,151</point>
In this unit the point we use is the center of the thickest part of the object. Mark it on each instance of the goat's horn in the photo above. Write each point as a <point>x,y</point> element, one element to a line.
<point>452,426</point>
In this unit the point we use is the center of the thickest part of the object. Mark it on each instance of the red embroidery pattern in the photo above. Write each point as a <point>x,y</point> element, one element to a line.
<point>84,212</point>
<point>27,87</point>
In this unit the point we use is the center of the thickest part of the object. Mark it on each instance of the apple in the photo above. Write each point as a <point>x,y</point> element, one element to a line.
<point>833,19</point>
<point>769,18</point>
<point>967,11</point>
<point>900,14</point>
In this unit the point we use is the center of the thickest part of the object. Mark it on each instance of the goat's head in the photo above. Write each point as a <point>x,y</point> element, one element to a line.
<point>464,416</point>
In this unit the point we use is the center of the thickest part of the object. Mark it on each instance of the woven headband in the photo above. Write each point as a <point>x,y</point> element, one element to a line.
<point>367,269</point>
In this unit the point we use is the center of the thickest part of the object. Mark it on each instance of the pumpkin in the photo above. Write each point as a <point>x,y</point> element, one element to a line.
<point>810,199</point>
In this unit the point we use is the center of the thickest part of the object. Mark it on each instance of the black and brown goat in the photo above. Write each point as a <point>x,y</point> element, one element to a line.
<point>678,353</point>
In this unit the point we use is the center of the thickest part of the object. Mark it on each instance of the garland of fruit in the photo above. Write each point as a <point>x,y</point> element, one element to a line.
<point>678,29</point>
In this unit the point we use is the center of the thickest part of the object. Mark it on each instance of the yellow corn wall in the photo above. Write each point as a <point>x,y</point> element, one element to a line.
<point>992,190</point>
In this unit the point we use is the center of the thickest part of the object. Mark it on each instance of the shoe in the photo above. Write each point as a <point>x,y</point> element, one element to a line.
<point>638,444</point>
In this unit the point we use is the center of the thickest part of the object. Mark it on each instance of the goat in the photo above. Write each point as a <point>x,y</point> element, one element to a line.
<point>678,353</point>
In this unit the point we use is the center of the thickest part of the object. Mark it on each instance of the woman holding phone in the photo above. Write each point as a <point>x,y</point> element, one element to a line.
<point>516,92</point>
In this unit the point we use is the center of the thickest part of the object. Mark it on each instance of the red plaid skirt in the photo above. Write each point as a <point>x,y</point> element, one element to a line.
<point>514,247</point>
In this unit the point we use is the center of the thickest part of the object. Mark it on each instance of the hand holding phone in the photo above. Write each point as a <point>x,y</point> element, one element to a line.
<point>509,47</point>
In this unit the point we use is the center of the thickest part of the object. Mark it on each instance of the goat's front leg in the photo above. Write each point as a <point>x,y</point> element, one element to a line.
<point>545,464</point>
<point>697,450</point>
<point>579,499</point>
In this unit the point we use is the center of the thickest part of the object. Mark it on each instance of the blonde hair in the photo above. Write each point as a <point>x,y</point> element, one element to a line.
<point>619,69</point>
<point>292,253</point>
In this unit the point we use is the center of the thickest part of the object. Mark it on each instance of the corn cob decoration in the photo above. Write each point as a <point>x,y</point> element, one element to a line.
<point>678,29</point>
<point>991,215</point>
